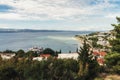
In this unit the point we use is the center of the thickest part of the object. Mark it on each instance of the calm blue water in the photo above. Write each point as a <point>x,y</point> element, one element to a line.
<point>25,40</point>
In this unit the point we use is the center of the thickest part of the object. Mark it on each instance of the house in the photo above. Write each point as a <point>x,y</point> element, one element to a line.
<point>100,56</point>
<point>103,42</point>
<point>7,55</point>
<point>68,56</point>
<point>99,53</point>
<point>96,53</point>
<point>45,56</point>
<point>101,61</point>
<point>41,57</point>
<point>36,49</point>
<point>38,58</point>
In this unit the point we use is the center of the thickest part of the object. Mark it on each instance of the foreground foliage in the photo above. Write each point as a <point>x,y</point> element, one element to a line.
<point>51,69</point>
<point>88,66</point>
<point>113,58</point>
<point>22,68</point>
<point>116,32</point>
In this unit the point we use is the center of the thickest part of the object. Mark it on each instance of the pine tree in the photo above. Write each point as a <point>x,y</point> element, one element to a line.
<point>86,61</point>
<point>116,42</point>
<point>113,59</point>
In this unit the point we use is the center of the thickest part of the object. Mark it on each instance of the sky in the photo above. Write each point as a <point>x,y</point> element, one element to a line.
<point>75,15</point>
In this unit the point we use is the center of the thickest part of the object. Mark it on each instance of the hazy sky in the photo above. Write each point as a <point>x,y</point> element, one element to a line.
<point>59,14</point>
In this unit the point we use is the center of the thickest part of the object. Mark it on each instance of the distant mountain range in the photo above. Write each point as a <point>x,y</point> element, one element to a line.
<point>2,30</point>
<point>26,30</point>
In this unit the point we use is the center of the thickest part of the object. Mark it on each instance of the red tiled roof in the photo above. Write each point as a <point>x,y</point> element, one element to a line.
<point>96,53</point>
<point>102,53</point>
<point>100,60</point>
<point>45,55</point>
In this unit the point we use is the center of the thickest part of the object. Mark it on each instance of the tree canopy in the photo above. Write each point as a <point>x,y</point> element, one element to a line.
<point>88,65</point>
<point>49,51</point>
<point>113,58</point>
<point>116,42</point>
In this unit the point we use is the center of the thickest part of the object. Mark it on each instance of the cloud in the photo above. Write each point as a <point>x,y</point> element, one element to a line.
<point>11,16</point>
<point>59,14</point>
<point>54,9</point>
<point>113,15</point>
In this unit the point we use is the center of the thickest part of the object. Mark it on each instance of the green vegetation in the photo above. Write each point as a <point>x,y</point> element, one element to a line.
<point>8,51</point>
<point>94,42</point>
<point>116,42</point>
<point>94,33</point>
<point>50,51</point>
<point>22,67</point>
<point>31,54</point>
<point>51,69</point>
<point>113,58</point>
<point>113,62</point>
<point>88,67</point>
<point>93,39</point>
<point>20,53</point>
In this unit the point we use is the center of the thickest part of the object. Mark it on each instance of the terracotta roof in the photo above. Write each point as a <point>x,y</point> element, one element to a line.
<point>102,53</point>
<point>99,53</point>
<point>45,55</point>
<point>100,60</point>
<point>96,53</point>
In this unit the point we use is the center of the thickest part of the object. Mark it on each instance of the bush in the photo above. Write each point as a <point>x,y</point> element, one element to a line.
<point>49,51</point>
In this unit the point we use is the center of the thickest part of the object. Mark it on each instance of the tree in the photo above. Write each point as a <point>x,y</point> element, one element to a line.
<point>8,51</point>
<point>20,53</point>
<point>49,51</point>
<point>113,59</point>
<point>83,58</point>
<point>60,51</point>
<point>113,62</point>
<point>116,42</point>
<point>8,73</point>
<point>61,69</point>
<point>87,65</point>
<point>31,54</point>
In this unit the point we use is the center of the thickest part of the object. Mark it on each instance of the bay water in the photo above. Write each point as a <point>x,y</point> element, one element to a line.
<point>64,41</point>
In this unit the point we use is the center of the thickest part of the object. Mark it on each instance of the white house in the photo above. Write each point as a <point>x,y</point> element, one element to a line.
<point>68,56</point>
<point>7,55</point>
<point>38,58</point>
<point>36,49</point>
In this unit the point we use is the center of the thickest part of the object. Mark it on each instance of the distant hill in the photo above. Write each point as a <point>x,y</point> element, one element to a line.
<point>32,30</point>
<point>26,30</point>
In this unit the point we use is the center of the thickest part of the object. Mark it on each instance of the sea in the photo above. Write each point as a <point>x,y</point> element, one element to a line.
<point>64,41</point>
